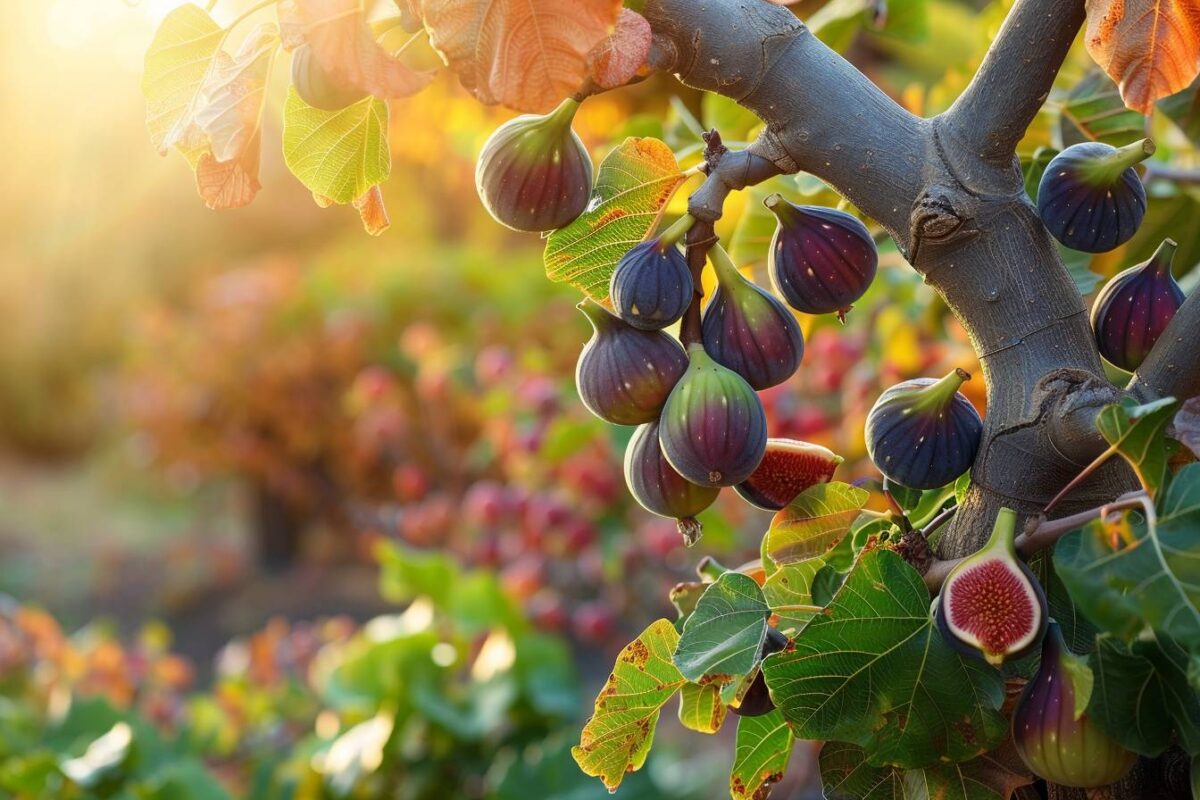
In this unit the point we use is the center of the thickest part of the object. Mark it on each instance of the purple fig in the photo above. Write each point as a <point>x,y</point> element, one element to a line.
<point>534,173</point>
<point>713,428</point>
<point>661,490</point>
<point>1135,308</point>
<point>923,433</point>
<point>788,468</point>
<point>822,260</point>
<point>624,375</point>
<point>651,287</point>
<point>318,88</point>
<point>1052,730</point>
<point>1090,196</point>
<point>748,330</point>
<point>991,604</point>
<point>757,700</point>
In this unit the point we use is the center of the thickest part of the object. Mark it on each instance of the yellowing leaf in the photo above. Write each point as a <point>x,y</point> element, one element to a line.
<point>1150,48</point>
<point>337,154</point>
<point>617,738</point>
<point>373,212</point>
<point>763,749</point>
<point>233,183</point>
<point>621,56</point>
<point>813,523</point>
<point>634,185</point>
<point>177,63</point>
<point>234,93</point>
<point>343,43</point>
<point>701,708</point>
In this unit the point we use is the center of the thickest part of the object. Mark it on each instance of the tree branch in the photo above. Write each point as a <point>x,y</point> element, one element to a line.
<point>1173,368</point>
<point>1012,84</point>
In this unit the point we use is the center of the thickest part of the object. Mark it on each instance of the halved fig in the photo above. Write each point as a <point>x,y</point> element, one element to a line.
<point>787,469</point>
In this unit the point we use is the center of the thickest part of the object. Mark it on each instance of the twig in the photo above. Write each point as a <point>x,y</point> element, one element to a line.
<point>938,521</point>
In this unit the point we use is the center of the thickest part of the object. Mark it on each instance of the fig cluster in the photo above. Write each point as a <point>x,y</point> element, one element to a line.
<point>1135,307</point>
<point>1090,197</point>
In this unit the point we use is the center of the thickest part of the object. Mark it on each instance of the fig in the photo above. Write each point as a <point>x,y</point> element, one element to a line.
<point>317,87</point>
<point>787,469</point>
<point>822,260</point>
<point>661,490</point>
<point>713,429</point>
<point>652,286</point>
<point>1057,739</point>
<point>1134,309</point>
<point>1090,197</point>
<point>534,173</point>
<point>749,330</point>
<point>991,604</point>
<point>624,375</point>
<point>757,700</point>
<point>923,433</point>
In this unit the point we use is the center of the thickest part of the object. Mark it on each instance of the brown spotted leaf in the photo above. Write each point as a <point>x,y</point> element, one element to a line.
<point>620,57</point>
<point>634,184</point>
<point>1150,48</point>
<point>764,747</point>
<point>617,739</point>
<point>345,46</point>
<point>813,523</point>
<point>701,708</point>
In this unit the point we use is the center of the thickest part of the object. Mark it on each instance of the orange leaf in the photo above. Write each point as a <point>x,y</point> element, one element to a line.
<point>373,212</point>
<point>1150,48</point>
<point>453,27</point>
<point>620,57</point>
<point>344,45</point>
<point>233,183</point>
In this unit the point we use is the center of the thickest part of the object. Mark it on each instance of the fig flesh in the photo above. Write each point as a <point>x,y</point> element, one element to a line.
<point>317,87</point>
<point>788,468</point>
<point>748,330</point>
<point>534,173</point>
<point>822,260</point>
<point>651,286</point>
<point>1052,731</point>
<point>923,433</point>
<point>624,375</point>
<point>991,604</point>
<point>661,490</point>
<point>1133,310</point>
<point>713,429</point>
<point>1090,197</point>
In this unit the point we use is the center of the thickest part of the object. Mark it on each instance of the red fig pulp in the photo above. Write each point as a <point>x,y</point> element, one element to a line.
<point>788,468</point>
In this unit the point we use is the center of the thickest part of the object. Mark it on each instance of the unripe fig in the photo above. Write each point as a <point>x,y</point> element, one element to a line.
<point>534,173</point>
<point>757,699</point>
<point>788,468</point>
<point>1056,739</point>
<point>923,433</point>
<point>713,428</point>
<point>661,490</point>
<point>991,604</point>
<point>624,375</point>
<point>1091,198</point>
<point>317,87</point>
<point>652,286</point>
<point>822,260</point>
<point>748,330</point>
<point>1134,309</point>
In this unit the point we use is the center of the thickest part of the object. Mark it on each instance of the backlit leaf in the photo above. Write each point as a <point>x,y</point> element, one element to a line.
<point>1135,432</point>
<point>621,56</point>
<point>875,672</point>
<point>634,184</point>
<point>763,749</point>
<point>1094,111</point>
<point>617,738</point>
<point>701,708</point>
<point>847,776</point>
<point>813,523</point>
<point>789,588</point>
<point>723,637</point>
<point>177,63</point>
<point>233,183</point>
<point>234,93</point>
<point>373,212</point>
<point>337,154</point>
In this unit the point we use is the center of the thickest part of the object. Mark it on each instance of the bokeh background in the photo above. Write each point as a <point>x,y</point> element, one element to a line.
<point>316,514</point>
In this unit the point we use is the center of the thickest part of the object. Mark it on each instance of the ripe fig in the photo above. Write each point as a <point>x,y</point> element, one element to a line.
<point>923,433</point>
<point>991,603</point>
<point>1134,309</point>
<point>787,469</point>
<point>661,490</point>
<point>652,286</point>
<point>1091,198</point>
<point>624,375</point>
<point>1056,739</point>
<point>317,87</point>
<point>757,699</point>
<point>534,173</point>
<point>822,260</point>
<point>713,428</point>
<point>748,330</point>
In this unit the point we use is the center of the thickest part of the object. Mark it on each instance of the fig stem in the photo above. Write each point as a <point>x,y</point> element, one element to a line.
<point>1109,169</point>
<point>671,236</point>
<point>727,272</point>
<point>1164,257</point>
<point>710,569</point>
<point>937,395</point>
<point>564,115</point>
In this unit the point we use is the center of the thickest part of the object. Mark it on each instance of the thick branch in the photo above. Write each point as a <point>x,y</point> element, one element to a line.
<point>1173,367</point>
<point>1012,84</point>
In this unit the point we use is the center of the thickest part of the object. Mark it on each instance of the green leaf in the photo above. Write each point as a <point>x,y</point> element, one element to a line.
<point>1034,167</point>
<point>723,638</point>
<point>848,776</point>
<point>180,57</point>
<point>1183,108</point>
<point>1142,694</point>
<point>763,749</point>
<point>617,739</point>
<point>1136,433</point>
<point>1077,629</point>
<point>876,673</point>
<point>813,524</point>
<point>337,154</point>
<point>634,185</point>
<point>838,22</point>
<point>790,587</point>
<point>734,121</point>
<point>1079,267</point>
<point>701,708</point>
<point>1094,111</point>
